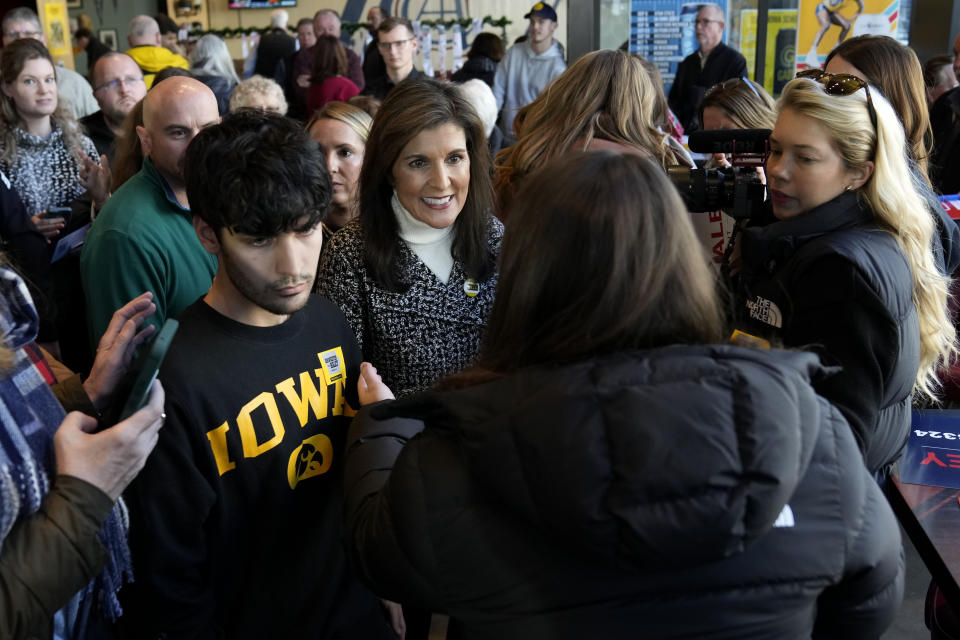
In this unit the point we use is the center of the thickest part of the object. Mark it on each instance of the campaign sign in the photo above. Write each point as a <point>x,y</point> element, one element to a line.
<point>951,204</point>
<point>933,450</point>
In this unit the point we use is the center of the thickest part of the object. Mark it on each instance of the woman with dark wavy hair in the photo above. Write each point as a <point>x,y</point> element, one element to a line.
<point>415,273</point>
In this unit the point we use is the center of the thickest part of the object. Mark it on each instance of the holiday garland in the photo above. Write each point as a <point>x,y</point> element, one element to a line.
<point>352,27</point>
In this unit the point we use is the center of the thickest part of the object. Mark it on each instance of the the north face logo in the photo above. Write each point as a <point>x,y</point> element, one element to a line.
<point>765,311</point>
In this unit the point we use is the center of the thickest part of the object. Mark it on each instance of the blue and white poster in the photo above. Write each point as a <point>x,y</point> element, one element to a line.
<point>663,32</point>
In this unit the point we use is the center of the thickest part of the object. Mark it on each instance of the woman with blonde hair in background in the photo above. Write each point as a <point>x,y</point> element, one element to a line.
<point>605,100</point>
<point>734,104</point>
<point>663,116</point>
<point>341,130</point>
<point>738,103</point>
<point>845,263</point>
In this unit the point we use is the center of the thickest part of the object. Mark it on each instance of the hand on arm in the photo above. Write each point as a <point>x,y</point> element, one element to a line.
<point>370,386</point>
<point>395,616</point>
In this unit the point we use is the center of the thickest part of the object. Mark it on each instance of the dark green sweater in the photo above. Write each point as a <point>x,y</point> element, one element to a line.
<point>143,240</point>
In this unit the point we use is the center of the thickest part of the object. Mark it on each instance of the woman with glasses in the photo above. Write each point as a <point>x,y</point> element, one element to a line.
<point>844,265</point>
<point>607,471</point>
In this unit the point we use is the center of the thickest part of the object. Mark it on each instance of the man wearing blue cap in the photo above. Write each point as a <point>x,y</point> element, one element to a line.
<point>528,67</point>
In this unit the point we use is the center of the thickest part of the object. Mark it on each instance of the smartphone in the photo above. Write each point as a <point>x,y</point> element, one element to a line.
<point>142,374</point>
<point>58,212</point>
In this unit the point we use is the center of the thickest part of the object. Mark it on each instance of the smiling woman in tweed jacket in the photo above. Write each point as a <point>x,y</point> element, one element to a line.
<point>415,273</point>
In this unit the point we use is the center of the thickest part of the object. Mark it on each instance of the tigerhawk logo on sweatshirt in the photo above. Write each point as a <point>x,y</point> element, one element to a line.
<point>312,395</point>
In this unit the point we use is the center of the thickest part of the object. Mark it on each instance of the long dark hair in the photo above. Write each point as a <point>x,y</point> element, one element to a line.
<point>329,59</point>
<point>599,256</point>
<point>413,106</point>
<point>487,44</point>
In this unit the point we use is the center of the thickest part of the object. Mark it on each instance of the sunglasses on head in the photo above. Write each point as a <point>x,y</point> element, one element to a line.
<point>841,84</point>
<point>732,82</point>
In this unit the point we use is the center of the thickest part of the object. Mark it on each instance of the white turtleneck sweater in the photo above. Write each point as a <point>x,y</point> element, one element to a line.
<point>432,246</point>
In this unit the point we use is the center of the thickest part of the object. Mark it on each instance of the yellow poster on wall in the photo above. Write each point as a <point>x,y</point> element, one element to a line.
<point>780,50</point>
<point>748,39</point>
<point>55,28</point>
<point>823,24</point>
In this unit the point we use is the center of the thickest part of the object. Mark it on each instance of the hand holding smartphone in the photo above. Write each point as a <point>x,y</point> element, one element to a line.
<point>57,212</point>
<point>136,389</point>
<point>52,221</point>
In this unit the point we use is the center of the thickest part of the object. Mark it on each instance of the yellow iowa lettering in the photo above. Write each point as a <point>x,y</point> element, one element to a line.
<point>248,435</point>
<point>338,401</point>
<point>312,458</point>
<point>309,397</point>
<point>218,444</point>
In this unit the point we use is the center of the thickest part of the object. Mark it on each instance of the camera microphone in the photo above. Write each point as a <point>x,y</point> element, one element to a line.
<point>736,141</point>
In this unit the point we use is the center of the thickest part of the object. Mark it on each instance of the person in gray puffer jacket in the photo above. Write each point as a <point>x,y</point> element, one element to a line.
<point>606,471</point>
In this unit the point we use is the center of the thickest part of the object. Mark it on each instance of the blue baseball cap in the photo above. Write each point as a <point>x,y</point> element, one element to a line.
<point>543,10</point>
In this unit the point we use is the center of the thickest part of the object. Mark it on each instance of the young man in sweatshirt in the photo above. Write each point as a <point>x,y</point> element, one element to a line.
<point>528,67</point>
<point>236,520</point>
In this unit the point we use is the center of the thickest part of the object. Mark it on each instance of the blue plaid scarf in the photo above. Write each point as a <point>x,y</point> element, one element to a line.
<point>29,416</point>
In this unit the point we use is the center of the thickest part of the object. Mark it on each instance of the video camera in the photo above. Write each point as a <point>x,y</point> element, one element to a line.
<point>736,190</point>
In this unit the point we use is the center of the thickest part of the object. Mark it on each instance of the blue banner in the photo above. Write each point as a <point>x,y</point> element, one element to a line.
<point>933,451</point>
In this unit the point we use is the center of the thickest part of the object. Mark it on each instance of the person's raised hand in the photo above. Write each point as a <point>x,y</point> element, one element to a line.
<point>110,459</point>
<point>370,386</point>
<point>116,348</point>
<point>95,178</point>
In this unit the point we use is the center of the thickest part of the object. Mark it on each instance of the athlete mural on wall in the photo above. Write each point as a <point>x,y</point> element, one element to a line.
<point>823,24</point>
<point>828,14</point>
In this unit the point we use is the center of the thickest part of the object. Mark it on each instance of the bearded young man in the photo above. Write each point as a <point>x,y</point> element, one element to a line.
<point>236,522</point>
